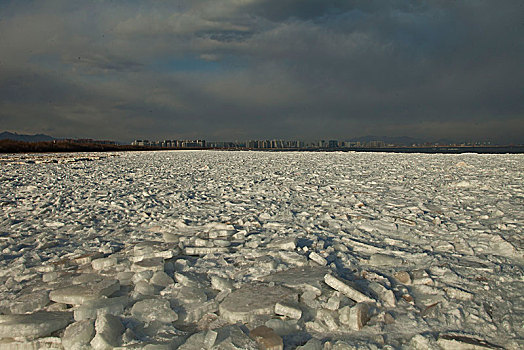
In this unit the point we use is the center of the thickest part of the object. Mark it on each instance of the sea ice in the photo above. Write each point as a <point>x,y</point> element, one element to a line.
<point>158,250</point>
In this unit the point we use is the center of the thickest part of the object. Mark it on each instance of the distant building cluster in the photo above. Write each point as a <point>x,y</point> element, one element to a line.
<point>258,144</point>
<point>322,144</point>
<point>171,143</point>
<point>274,144</point>
<point>286,144</point>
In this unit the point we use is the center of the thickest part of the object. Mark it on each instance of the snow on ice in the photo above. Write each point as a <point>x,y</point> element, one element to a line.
<point>248,250</point>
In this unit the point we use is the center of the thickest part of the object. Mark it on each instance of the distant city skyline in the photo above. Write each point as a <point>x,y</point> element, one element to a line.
<point>279,69</point>
<point>297,142</point>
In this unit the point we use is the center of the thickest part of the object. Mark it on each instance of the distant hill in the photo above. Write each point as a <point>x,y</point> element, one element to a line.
<point>26,138</point>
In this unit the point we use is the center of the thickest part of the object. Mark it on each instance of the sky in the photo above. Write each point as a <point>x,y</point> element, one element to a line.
<point>263,69</point>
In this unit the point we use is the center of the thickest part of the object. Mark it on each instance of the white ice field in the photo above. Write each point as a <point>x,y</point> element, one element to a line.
<point>205,249</point>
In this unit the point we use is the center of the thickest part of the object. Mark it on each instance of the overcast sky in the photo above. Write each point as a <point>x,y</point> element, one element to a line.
<point>256,69</point>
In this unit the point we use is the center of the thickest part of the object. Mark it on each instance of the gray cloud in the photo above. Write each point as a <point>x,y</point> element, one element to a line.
<point>234,69</point>
<point>99,64</point>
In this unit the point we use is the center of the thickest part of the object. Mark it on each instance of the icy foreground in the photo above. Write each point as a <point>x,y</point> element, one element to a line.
<point>248,250</point>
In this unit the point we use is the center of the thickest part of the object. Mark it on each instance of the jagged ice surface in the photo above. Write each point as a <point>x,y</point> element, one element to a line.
<point>328,250</point>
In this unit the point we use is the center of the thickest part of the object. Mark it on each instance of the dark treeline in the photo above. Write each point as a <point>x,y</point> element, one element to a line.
<point>11,146</point>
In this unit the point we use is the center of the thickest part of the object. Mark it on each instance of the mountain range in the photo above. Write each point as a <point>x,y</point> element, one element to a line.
<point>6,135</point>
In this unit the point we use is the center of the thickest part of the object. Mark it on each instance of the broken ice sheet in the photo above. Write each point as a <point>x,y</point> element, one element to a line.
<point>428,242</point>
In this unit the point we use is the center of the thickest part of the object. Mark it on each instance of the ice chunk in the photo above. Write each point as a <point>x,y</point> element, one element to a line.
<point>202,340</point>
<point>385,295</point>
<point>221,283</point>
<point>205,250</point>
<point>109,331</point>
<point>50,276</point>
<point>421,277</point>
<point>245,303</point>
<point>90,309</point>
<point>308,298</point>
<point>152,330</point>
<point>267,338</point>
<point>104,263</point>
<point>333,302</point>
<point>384,260</point>
<point>189,279</point>
<point>193,312</point>
<point>221,243</point>
<point>351,293</point>
<point>328,319</point>
<point>170,237</point>
<point>457,293</point>
<point>152,264</point>
<point>144,288</point>
<point>286,243</point>
<point>304,278</point>
<point>147,247</point>
<point>38,324</point>
<point>79,294</point>
<point>355,317</point>
<point>86,258</point>
<point>125,277</point>
<point>187,295</point>
<point>317,258</point>
<point>142,276</point>
<point>162,279</point>
<point>233,337</point>
<point>30,302</point>
<point>87,278</point>
<point>78,334</point>
<point>288,310</point>
<point>292,258</point>
<point>420,342</point>
<point>152,249</point>
<point>264,216</point>
<point>154,310</point>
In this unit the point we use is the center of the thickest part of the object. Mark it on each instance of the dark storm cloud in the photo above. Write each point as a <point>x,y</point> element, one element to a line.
<point>233,69</point>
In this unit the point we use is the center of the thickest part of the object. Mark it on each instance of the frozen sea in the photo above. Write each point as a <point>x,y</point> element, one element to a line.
<point>204,249</point>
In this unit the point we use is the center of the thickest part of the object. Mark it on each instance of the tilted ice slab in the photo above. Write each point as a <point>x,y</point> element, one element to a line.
<point>301,278</point>
<point>252,300</point>
<point>84,292</point>
<point>38,324</point>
